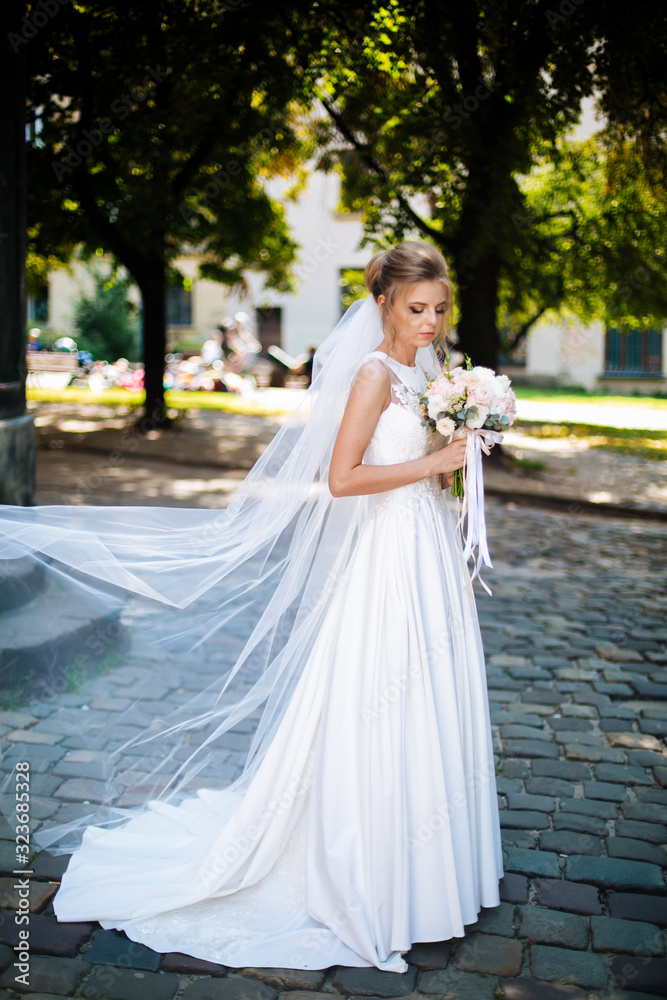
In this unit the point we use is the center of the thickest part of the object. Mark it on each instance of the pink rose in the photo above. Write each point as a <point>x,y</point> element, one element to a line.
<point>454,390</point>
<point>445,426</point>
<point>509,405</point>
<point>460,380</point>
<point>480,393</point>
<point>440,387</point>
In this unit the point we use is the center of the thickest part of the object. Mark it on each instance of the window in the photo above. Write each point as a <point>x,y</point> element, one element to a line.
<point>633,352</point>
<point>179,306</point>
<point>38,305</point>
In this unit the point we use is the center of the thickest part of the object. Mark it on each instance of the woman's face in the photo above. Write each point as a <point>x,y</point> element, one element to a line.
<point>418,313</point>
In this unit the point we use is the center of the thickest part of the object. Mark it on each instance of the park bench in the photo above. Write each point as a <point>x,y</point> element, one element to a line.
<point>40,362</point>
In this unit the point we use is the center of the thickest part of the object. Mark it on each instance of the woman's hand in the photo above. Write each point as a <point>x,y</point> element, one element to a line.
<point>450,458</point>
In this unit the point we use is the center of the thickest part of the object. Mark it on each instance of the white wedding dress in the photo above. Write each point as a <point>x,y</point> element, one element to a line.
<point>372,821</point>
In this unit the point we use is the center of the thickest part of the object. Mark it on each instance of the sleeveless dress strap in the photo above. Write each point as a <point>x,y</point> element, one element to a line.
<point>401,392</point>
<point>386,361</point>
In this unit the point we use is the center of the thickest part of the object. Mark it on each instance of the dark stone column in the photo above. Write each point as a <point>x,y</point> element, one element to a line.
<point>17,434</point>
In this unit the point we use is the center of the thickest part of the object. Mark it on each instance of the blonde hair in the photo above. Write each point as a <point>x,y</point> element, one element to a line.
<point>407,264</point>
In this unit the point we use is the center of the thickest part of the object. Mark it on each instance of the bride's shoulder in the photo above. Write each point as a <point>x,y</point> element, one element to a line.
<point>372,369</point>
<point>372,379</point>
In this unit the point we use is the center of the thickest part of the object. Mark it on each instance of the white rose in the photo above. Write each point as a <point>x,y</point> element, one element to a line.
<point>436,405</point>
<point>478,421</point>
<point>446,426</point>
<point>483,374</point>
<point>500,390</point>
<point>480,376</point>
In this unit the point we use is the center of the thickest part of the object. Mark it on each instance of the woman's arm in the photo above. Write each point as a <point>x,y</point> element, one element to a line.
<point>369,396</point>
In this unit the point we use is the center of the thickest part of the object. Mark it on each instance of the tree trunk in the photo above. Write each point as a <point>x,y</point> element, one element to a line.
<point>478,301</point>
<point>477,329</point>
<point>153,292</point>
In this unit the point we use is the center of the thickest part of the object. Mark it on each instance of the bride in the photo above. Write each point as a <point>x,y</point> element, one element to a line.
<point>365,819</point>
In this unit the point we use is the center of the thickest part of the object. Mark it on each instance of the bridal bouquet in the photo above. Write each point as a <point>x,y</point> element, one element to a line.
<point>484,404</point>
<point>474,398</point>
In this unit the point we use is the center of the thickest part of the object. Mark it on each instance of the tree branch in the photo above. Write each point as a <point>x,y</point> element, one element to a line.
<point>525,327</point>
<point>80,179</point>
<point>109,233</point>
<point>370,161</point>
<point>198,158</point>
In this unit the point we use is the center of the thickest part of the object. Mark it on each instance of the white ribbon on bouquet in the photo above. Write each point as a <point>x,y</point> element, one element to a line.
<point>472,507</point>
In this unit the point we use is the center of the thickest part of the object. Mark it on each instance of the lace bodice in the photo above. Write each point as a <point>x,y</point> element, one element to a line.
<point>399,435</point>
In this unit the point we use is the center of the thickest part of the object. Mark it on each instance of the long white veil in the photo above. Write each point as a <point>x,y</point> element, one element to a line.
<point>244,588</point>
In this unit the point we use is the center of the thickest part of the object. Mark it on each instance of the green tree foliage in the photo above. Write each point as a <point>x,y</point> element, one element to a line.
<point>352,286</point>
<point>590,239</point>
<point>152,126</point>
<point>105,321</point>
<point>438,111</point>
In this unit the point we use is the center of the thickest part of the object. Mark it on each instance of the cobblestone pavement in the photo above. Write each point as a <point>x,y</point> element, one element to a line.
<point>576,641</point>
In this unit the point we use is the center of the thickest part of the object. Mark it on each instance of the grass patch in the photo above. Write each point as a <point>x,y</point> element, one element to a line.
<point>647,449</point>
<point>108,397</point>
<point>177,399</point>
<point>231,402</point>
<point>74,675</point>
<point>623,440</point>
<point>68,678</point>
<point>574,394</point>
<point>532,464</point>
<point>13,697</point>
<point>565,429</point>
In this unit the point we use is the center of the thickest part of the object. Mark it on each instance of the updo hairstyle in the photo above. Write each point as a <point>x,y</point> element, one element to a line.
<point>407,264</point>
